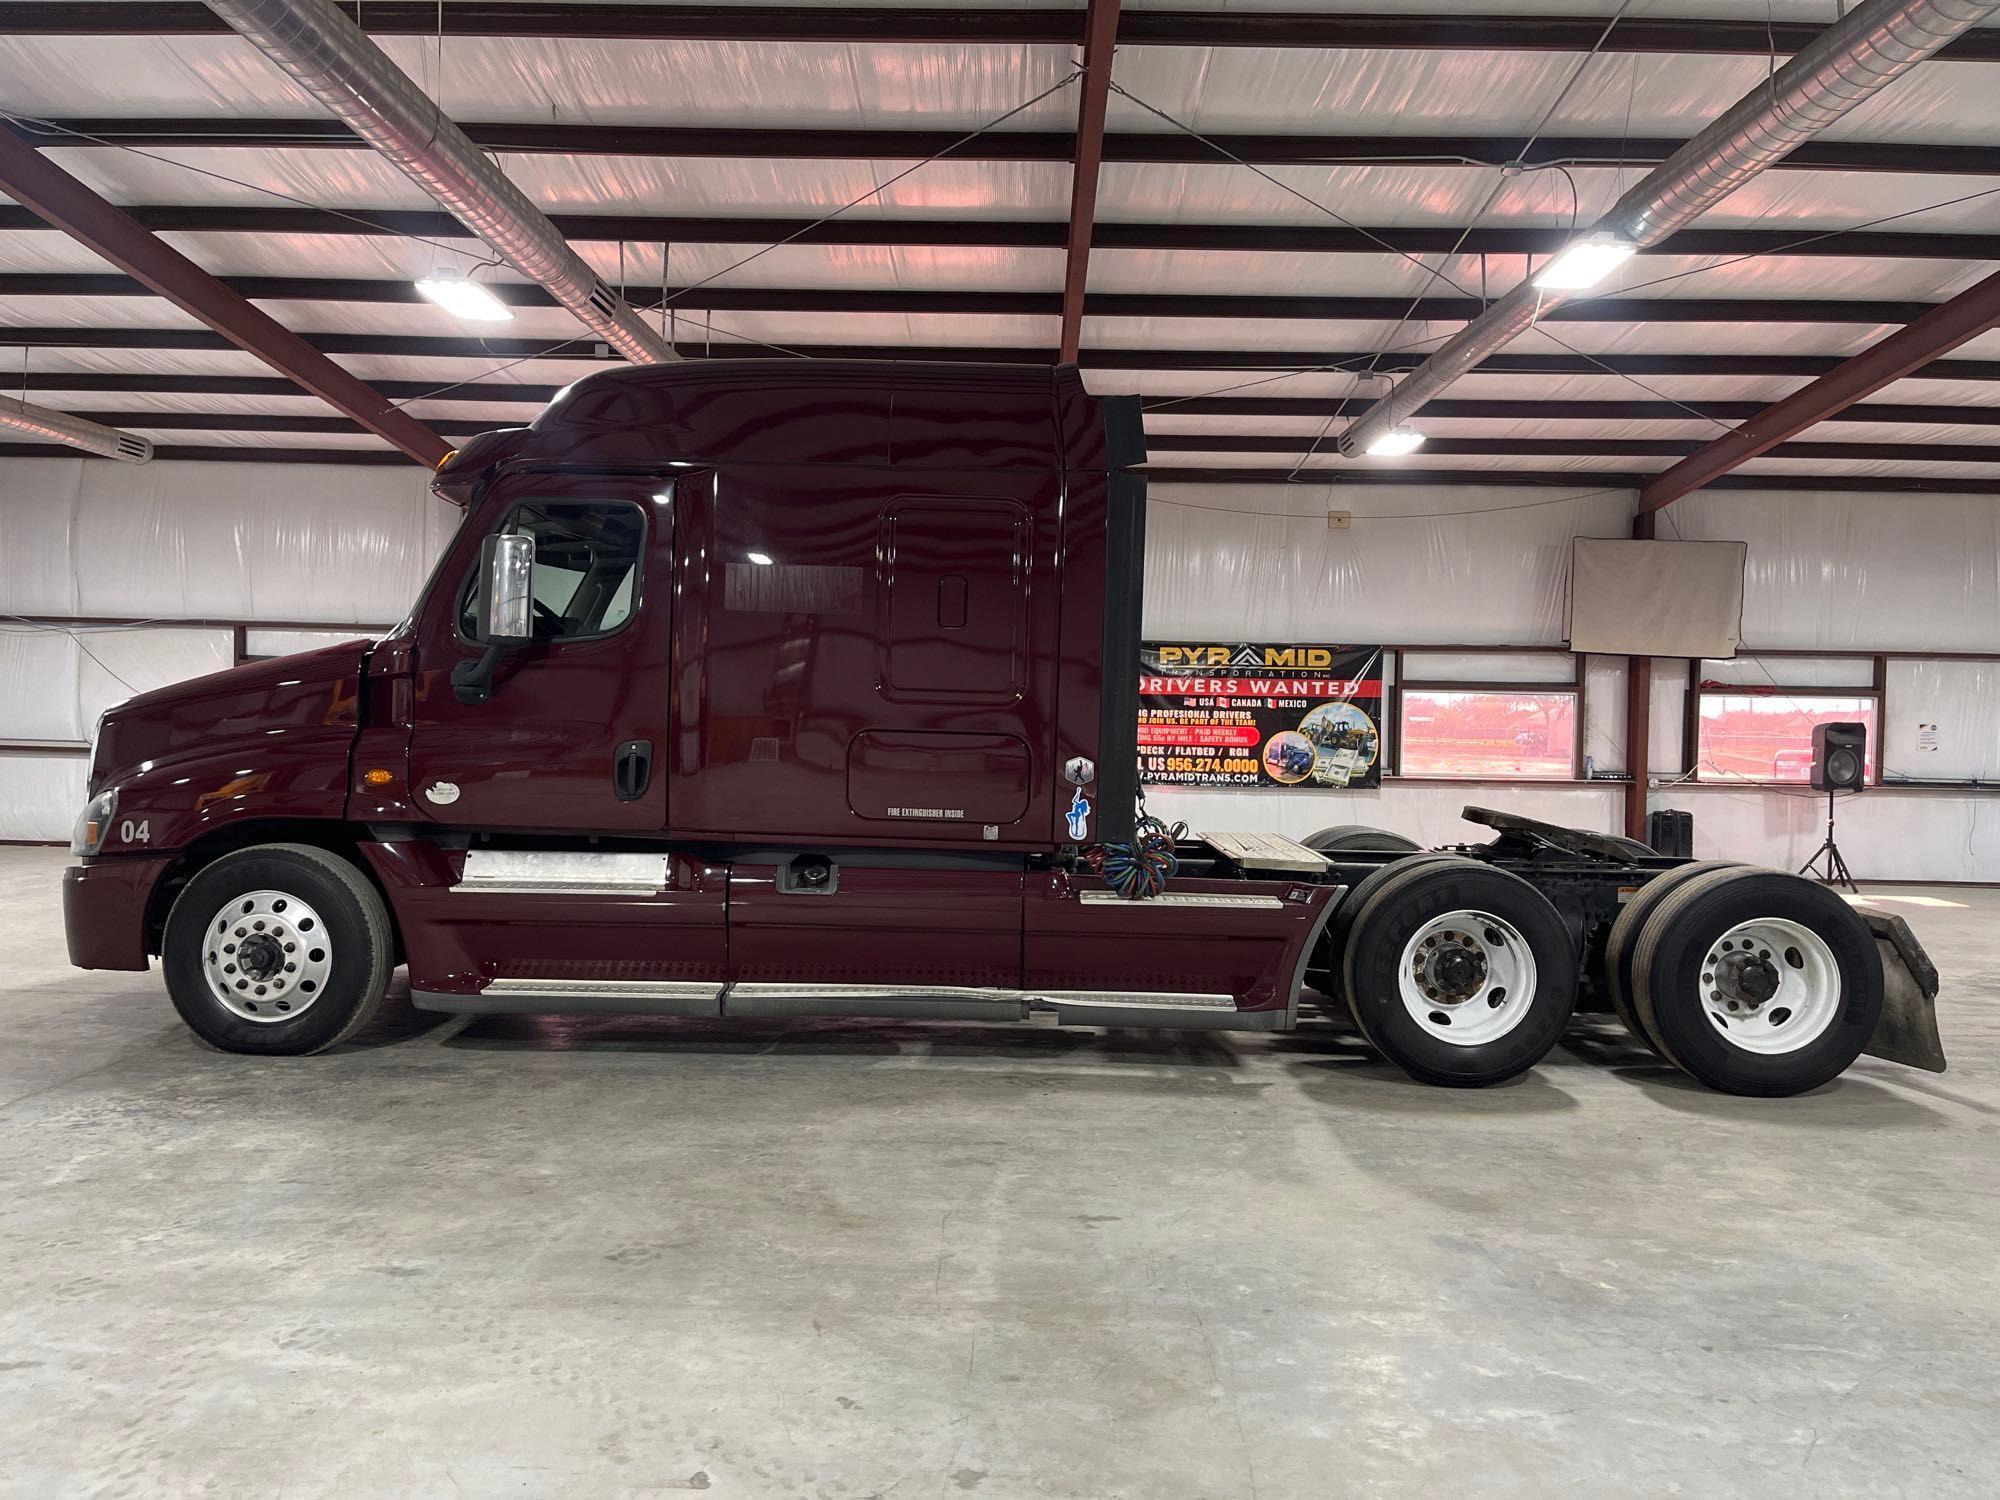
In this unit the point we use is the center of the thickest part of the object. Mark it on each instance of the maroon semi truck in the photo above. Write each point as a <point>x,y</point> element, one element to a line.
<point>779,688</point>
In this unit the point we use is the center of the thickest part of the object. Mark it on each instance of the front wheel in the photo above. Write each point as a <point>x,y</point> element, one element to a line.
<point>1459,973</point>
<point>279,949</point>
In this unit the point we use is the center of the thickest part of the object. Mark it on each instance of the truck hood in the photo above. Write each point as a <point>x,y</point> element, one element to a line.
<point>257,705</point>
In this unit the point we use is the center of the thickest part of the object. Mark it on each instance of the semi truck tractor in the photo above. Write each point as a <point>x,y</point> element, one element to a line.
<point>807,688</point>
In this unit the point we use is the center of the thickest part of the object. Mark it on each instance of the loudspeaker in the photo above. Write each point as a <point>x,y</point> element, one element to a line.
<point>1839,762</point>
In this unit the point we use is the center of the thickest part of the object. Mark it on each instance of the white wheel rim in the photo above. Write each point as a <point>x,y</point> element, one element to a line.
<point>266,956</point>
<point>1467,977</point>
<point>1770,985</point>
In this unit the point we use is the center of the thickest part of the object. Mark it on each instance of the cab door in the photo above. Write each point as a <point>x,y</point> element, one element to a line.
<point>573,736</point>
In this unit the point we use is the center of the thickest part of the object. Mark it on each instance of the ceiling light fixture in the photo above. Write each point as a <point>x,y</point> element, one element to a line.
<point>1397,442</point>
<point>465,299</point>
<point>1585,262</point>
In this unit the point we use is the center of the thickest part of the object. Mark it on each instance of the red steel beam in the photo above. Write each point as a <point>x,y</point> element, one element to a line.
<point>1942,329</point>
<point>1100,39</point>
<point>53,195</point>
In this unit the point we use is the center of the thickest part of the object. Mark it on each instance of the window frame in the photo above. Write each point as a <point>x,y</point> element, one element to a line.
<point>1876,693</point>
<point>1576,687</point>
<point>507,516</point>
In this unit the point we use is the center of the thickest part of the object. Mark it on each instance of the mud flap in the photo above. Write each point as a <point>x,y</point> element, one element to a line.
<point>1908,1030</point>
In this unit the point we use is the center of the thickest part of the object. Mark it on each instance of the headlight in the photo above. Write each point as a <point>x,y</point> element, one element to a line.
<point>94,825</point>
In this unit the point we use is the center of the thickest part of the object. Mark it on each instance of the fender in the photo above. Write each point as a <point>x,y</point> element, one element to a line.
<point>267,740</point>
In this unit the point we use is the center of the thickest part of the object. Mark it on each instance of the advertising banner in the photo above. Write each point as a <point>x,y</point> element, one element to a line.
<point>1257,713</point>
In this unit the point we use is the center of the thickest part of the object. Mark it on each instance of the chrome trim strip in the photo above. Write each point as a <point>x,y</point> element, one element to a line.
<point>551,888</point>
<point>763,988</point>
<point>1306,953</point>
<point>1184,898</point>
<point>631,989</point>
<point>562,872</point>
<point>1135,999</point>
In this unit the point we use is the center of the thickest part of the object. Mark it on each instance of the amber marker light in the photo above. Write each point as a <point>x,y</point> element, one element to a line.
<point>378,777</point>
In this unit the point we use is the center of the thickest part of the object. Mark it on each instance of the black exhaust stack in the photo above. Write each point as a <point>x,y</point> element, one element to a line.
<point>1124,602</point>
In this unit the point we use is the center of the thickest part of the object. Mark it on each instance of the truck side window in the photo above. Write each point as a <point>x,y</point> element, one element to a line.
<point>587,556</point>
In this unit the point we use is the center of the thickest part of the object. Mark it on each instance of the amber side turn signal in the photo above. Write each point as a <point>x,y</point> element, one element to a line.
<point>378,777</point>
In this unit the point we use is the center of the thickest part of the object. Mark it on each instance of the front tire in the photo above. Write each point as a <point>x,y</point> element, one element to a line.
<point>1460,974</point>
<point>278,950</point>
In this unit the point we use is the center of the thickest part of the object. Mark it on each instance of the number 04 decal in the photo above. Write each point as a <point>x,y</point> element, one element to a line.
<point>136,833</point>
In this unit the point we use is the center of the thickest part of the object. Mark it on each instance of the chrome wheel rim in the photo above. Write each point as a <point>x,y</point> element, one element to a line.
<point>1770,985</point>
<point>266,956</point>
<point>1467,977</point>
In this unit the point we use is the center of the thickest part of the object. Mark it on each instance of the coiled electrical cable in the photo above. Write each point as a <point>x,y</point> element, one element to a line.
<point>1142,868</point>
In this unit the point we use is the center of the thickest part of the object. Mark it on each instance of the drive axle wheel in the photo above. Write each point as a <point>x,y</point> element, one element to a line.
<point>1624,937</point>
<point>1459,973</point>
<point>1324,974</point>
<point>279,949</point>
<point>1756,982</point>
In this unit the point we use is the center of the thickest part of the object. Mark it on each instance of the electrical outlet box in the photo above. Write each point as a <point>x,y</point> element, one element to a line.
<point>1338,520</point>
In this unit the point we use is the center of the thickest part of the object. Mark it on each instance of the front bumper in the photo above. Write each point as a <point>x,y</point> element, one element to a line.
<point>104,911</point>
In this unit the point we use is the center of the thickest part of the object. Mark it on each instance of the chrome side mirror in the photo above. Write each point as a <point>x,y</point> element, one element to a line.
<point>506,613</point>
<point>507,564</point>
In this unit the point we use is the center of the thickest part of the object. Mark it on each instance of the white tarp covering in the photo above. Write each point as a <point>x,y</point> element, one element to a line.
<point>40,796</point>
<point>1859,572</point>
<point>55,681</point>
<point>212,541</point>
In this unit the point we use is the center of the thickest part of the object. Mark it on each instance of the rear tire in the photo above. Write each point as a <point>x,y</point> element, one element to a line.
<point>1625,936</point>
<point>279,950</point>
<point>1324,973</point>
<point>1756,982</point>
<point>1359,838</point>
<point>1460,974</point>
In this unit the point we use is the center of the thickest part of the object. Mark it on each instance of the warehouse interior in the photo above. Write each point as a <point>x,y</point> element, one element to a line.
<point>607,1255</point>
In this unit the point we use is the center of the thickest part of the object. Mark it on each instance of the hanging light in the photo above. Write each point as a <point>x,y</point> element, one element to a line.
<point>1585,262</point>
<point>466,299</point>
<point>1397,442</point>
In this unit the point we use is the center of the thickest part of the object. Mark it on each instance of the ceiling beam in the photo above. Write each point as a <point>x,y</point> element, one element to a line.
<point>1028,304</point>
<point>1539,447</point>
<point>1940,330</point>
<point>67,204</point>
<point>532,137</point>
<point>491,350</point>
<point>1901,413</point>
<point>1803,240</point>
<point>951,25</point>
<point>1317,479</point>
<point>1203,442</point>
<point>1100,41</point>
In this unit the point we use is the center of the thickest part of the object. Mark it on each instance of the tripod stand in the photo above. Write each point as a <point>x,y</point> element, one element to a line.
<point>1836,872</point>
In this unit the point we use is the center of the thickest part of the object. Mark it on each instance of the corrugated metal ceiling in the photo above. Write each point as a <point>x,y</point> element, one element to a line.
<point>813,87</point>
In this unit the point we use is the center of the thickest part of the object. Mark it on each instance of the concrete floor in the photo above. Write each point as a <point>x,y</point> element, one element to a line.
<point>865,1259</point>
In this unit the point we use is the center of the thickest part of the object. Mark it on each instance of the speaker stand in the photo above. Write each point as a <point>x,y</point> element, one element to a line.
<point>1828,854</point>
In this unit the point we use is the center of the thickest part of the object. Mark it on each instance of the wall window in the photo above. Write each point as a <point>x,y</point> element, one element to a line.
<point>1765,734</point>
<point>1526,733</point>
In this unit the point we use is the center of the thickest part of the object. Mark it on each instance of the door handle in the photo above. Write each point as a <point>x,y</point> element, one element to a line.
<point>632,770</point>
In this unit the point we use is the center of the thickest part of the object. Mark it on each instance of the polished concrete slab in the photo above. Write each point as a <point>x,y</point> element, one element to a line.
<point>540,1258</point>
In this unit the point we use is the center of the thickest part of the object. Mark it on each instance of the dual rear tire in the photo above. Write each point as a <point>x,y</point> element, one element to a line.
<point>1459,973</point>
<point>1750,981</point>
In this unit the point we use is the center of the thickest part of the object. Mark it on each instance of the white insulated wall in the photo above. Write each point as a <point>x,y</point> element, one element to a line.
<point>172,542</point>
<point>334,545</point>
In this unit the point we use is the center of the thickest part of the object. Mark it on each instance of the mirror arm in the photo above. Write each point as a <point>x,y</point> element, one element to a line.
<point>472,681</point>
